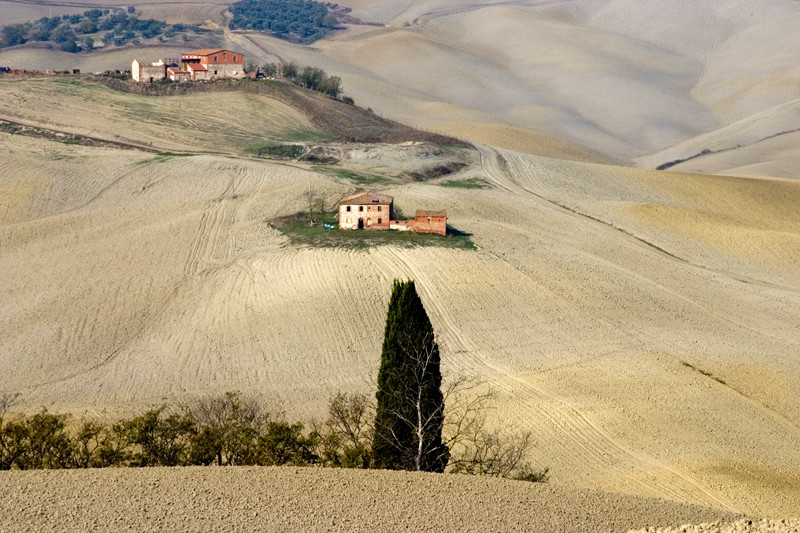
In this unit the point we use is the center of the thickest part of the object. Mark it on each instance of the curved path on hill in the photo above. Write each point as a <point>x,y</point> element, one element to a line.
<point>494,167</point>
<point>587,441</point>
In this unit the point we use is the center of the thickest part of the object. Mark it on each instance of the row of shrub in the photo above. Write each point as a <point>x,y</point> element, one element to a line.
<point>233,429</point>
<point>228,430</point>
<point>303,21</point>
<point>312,78</point>
<point>71,32</point>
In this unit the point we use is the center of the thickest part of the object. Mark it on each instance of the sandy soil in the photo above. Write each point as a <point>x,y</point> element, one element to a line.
<point>193,122</point>
<point>614,310</point>
<point>643,325</point>
<point>307,499</point>
<point>611,80</point>
<point>618,78</point>
<point>740,526</point>
<point>19,12</point>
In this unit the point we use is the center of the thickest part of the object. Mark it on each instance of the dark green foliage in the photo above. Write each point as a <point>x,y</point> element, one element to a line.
<point>229,427</point>
<point>93,14</point>
<point>161,440</point>
<point>227,430</point>
<point>70,45</point>
<point>282,151</point>
<point>410,405</point>
<point>42,442</point>
<point>118,27</point>
<point>284,443</point>
<point>309,77</point>
<point>295,20</point>
<point>13,35</point>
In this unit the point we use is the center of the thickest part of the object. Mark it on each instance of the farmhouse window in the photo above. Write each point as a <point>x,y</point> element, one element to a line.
<point>215,60</point>
<point>348,208</point>
<point>234,59</point>
<point>379,208</point>
<point>215,72</point>
<point>379,220</point>
<point>361,208</point>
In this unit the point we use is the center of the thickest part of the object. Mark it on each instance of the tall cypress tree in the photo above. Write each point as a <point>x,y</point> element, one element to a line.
<point>410,411</point>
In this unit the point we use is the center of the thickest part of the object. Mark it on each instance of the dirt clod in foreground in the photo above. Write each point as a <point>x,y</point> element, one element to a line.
<point>313,499</point>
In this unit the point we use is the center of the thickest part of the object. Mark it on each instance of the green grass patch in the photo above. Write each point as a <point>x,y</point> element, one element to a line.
<point>278,151</point>
<point>704,373</point>
<point>471,183</point>
<point>173,154</point>
<point>302,233</point>
<point>357,177</point>
<point>161,157</point>
<point>309,136</point>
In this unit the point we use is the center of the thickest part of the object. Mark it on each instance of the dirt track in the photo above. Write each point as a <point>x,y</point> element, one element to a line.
<point>309,499</point>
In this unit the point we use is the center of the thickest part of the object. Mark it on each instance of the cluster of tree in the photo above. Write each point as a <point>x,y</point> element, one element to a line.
<point>234,430</point>
<point>407,429</point>
<point>412,431</point>
<point>226,430</point>
<point>73,33</point>
<point>302,21</point>
<point>309,77</point>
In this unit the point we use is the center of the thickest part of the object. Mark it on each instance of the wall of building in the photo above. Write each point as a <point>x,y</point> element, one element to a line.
<point>400,225</point>
<point>223,57</point>
<point>146,72</point>
<point>429,225</point>
<point>199,75</point>
<point>225,71</point>
<point>373,216</point>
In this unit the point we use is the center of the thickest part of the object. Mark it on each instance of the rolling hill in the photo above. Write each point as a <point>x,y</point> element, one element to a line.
<point>643,325</point>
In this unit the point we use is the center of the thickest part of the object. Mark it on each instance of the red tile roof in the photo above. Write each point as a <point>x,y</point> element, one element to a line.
<point>197,66</point>
<point>203,52</point>
<point>423,213</point>
<point>366,198</point>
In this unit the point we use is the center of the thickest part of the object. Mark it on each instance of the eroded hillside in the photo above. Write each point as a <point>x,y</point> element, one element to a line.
<point>641,324</point>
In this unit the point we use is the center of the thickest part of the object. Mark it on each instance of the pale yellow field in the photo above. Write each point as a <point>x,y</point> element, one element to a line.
<point>614,80</point>
<point>622,81</point>
<point>132,279</point>
<point>195,123</point>
<point>644,325</point>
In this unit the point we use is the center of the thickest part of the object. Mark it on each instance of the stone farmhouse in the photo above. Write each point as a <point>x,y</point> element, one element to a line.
<point>197,65</point>
<point>367,210</point>
<point>148,72</point>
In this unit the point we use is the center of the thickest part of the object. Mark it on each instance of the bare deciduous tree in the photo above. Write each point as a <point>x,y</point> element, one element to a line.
<point>476,449</point>
<point>345,437</point>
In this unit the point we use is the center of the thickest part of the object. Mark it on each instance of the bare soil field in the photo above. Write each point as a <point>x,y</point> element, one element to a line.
<point>613,309</point>
<point>614,80</point>
<point>311,499</point>
<point>643,325</point>
<point>18,12</point>
<point>182,123</point>
<point>601,81</point>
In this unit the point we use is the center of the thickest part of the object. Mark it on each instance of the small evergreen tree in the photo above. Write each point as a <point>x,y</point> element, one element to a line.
<point>410,407</point>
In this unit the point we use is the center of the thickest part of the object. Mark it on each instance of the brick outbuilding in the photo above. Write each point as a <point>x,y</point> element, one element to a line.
<point>211,63</point>
<point>430,222</point>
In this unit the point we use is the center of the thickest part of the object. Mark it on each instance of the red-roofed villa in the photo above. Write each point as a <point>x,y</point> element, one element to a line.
<point>197,65</point>
<point>367,210</point>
